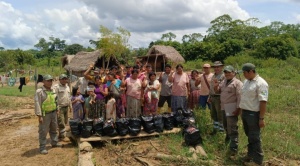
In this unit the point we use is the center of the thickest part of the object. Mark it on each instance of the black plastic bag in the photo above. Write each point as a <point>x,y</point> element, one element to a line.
<point>158,123</point>
<point>148,124</point>
<point>75,126</point>
<point>168,121</point>
<point>134,126</point>
<point>98,126</point>
<point>87,128</point>
<point>178,117</point>
<point>122,126</point>
<point>192,136</point>
<point>109,128</point>
<point>188,113</point>
<point>190,121</point>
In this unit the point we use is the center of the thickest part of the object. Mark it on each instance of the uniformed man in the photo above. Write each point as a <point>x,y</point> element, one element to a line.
<point>64,103</point>
<point>254,97</point>
<point>230,89</point>
<point>46,110</point>
<point>214,98</point>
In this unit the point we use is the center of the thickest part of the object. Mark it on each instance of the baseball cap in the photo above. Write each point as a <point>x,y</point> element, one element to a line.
<point>228,68</point>
<point>47,77</point>
<point>248,67</point>
<point>63,76</point>
<point>97,70</point>
<point>206,65</point>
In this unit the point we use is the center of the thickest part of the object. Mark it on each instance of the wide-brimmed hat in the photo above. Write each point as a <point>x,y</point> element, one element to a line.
<point>217,63</point>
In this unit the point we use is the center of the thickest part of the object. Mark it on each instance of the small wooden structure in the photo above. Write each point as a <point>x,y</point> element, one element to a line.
<point>82,60</point>
<point>158,56</point>
<point>107,138</point>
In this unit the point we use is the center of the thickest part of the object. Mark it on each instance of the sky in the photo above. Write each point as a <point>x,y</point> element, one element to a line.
<point>24,22</point>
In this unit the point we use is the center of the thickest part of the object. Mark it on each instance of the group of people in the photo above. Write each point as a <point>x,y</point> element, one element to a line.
<point>137,90</point>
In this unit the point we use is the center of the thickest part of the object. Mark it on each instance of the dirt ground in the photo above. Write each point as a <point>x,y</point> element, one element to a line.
<point>19,145</point>
<point>19,140</point>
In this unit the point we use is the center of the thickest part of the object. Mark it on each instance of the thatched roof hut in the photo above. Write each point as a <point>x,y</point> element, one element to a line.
<point>82,60</point>
<point>159,55</point>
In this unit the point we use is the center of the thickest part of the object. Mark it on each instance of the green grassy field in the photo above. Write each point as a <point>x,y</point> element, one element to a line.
<point>280,137</point>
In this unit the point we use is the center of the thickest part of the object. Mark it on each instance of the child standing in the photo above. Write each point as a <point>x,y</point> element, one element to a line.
<point>77,100</point>
<point>110,108</point>
<point>88,103</point>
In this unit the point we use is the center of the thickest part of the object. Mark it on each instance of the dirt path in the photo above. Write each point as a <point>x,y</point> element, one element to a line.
<point>19,141</point>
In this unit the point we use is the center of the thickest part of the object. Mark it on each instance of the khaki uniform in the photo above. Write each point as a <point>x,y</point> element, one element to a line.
<point>252,93</point>
<point>64,104</point>
<point>230,93</point>
<point>49,123</point>
<point>215,111</point>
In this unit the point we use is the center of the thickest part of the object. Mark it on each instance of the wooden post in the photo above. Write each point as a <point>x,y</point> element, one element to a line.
<point>155,63</point>
<point>36,77</point>
<point>70,81</point>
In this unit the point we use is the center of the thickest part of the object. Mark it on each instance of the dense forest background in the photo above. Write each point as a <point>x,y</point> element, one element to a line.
<point>225,39</point>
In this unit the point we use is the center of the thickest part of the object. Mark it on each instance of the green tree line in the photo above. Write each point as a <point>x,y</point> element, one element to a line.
<point>225,38</point>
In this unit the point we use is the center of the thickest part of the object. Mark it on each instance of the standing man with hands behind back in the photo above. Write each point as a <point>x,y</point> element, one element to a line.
<point>254,97</point>
<point>64,103</point>
<point>46,110</point>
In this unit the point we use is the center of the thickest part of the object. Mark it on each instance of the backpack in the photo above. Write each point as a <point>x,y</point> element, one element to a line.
<point>192,136</point>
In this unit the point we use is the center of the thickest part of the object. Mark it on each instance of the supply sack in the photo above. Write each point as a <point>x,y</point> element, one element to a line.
<point>158,123</point>
<point>109,128</point>
<point>87,128</point>
<point>192,136</point>
<point>168,121</point>
<point>122,126</point>
<point>178,117</point>
<point>98,126</point>
<point>75,126</point>
<point>148,124</point>
<point>134,126</point>
<point>188,113</point>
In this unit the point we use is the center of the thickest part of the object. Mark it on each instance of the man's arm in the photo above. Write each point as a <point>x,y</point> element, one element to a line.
<point>262,111</point>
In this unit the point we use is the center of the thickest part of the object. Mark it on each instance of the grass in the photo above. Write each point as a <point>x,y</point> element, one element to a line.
<point>27,91</point>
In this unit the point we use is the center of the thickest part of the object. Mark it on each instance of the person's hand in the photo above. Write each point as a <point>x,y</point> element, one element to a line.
<point>92,65</point>
<point>236,112</point>
<point>209,100</point>
<point>261,123</point>
<point>40,118</point>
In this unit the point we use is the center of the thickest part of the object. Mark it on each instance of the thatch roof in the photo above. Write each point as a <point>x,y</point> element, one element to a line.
<point>65,60</point>
<point>82,60</point>
<point>169,52</point>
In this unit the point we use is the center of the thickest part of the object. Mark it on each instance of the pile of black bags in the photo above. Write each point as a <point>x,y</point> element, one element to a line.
<point>133,126</point>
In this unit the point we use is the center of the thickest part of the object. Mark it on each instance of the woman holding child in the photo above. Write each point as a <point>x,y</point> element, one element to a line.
<point>97,100</point>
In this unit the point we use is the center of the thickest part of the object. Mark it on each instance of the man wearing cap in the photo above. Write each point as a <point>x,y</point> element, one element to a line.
<point>230,89</point>
<point>89,77</point>
<point>64,103</point>
<point>214,98</point>
<point>204,90</point>
<point>45,109</point>
<point>254,97</point>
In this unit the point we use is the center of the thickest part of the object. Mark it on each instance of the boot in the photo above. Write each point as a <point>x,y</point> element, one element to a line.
<point>169,110</point>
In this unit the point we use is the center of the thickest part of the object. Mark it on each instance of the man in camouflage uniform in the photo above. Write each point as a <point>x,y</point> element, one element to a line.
<point>64,103</point>
<point>45,109</point>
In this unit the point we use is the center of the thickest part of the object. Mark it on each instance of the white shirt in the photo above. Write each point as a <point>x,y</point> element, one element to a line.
<point>82,84</point>
<point>253,91</point>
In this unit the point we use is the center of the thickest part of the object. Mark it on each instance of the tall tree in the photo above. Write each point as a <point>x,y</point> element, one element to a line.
<point>168,36</point>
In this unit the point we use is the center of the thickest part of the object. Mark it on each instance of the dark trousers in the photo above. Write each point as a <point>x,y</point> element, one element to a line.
<point>252,130</point>
<point>230,124</point>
